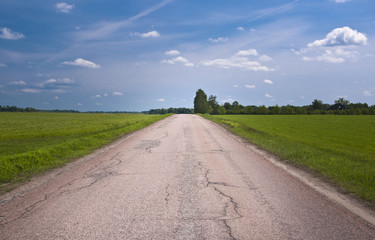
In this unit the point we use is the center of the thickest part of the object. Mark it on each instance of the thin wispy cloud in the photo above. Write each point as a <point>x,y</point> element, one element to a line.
<point>6,33</point>
<point>271,11</point>
<point>64,7</point>
<point>80,62</point>
<point>102,30</point>
<point>117,93</point>
<point>341,1</point>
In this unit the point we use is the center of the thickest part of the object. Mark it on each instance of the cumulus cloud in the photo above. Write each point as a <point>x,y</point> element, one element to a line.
<point>17,83</point>
<point>172,53</point>
<point>367,93</point>
<point>179,59</point>
<point>336,55</point>
<point>218,40</point>
<point>240,28</point>
<point>267,95</point>
<point>268,81</point>
<point>6,33</point>
<point>250,52</point>
<point>160,100</point>
<point>337,47</point>
<point>344,36</point>
<point>228,99</point>
<point>64,7</point>
<point>249,86</point>
<point>239,60</point>
<point>80,62</point>
<point>152,34</point>
<point>117,93</point>
<point>56,85</point>
<point>265,58</point>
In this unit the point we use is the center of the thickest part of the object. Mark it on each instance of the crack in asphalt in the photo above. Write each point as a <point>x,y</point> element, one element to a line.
<point>167,195</point>
<point>229,204</point>
<point>95,177</point>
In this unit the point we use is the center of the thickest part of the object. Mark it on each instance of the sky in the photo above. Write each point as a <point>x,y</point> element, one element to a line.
<point>136,55</point>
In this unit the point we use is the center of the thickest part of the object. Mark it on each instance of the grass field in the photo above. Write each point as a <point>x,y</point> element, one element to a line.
<point>339,148</point>
<point>31,143</point>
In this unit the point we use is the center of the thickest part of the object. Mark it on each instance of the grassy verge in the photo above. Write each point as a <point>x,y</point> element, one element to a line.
<point>31,143</point>
<point>339,148</point>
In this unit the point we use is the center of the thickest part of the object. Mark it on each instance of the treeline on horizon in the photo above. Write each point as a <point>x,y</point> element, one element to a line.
<point>209,105</point>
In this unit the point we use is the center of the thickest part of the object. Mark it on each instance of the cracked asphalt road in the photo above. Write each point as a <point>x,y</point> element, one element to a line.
<point>181,178</point>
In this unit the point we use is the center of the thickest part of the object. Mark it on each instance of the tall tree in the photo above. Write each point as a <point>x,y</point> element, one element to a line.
<point>200,102</point>
<point>213,104</point>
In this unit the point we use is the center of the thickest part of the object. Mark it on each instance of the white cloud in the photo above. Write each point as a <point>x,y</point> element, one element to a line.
<point>152,34</point>
<point>249,86</point>
<point>98,96</point>
<point>6,33</point>
<point>100,30</point>
<point>240,28</point>
<point>267,95</point>
<point>250,52</point>
<point>56,97</point>
<point>117,93</point>
<point>172,52</point>
<point>179,59</point>
<point>218,40</point>
<point>336,55</point>
<point>367,93</point>
<point>79,62</point>
<point>59,85</point>
<point>336,47</point>
<point>79,104</point>
<point>239,60</point>
<point>229,99</point>
<point>341,1</point>
<point>17,83</point>
<point>105,95</point>
<point>268,81</point>
<point>265,58</point>
<point>344,36</point>
<point>160,100</point>
<point>64,7</point>
<point>30,90</point>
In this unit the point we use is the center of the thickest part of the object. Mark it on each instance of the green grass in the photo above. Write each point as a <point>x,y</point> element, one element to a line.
<point>31,143</point>
<point>339,148</point>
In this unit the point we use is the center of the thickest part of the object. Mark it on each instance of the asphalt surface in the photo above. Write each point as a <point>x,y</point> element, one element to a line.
<point>181,178</point>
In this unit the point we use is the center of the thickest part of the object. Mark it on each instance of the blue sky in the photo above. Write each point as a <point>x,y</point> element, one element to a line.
<point>135,55</point>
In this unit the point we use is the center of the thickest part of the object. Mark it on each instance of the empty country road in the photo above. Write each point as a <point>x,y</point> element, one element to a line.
<point>180,178</point>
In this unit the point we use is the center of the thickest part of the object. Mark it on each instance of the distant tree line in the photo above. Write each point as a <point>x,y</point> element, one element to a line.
<point>16,109</point>
<point>170,110</point>
<point>202,104</point>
